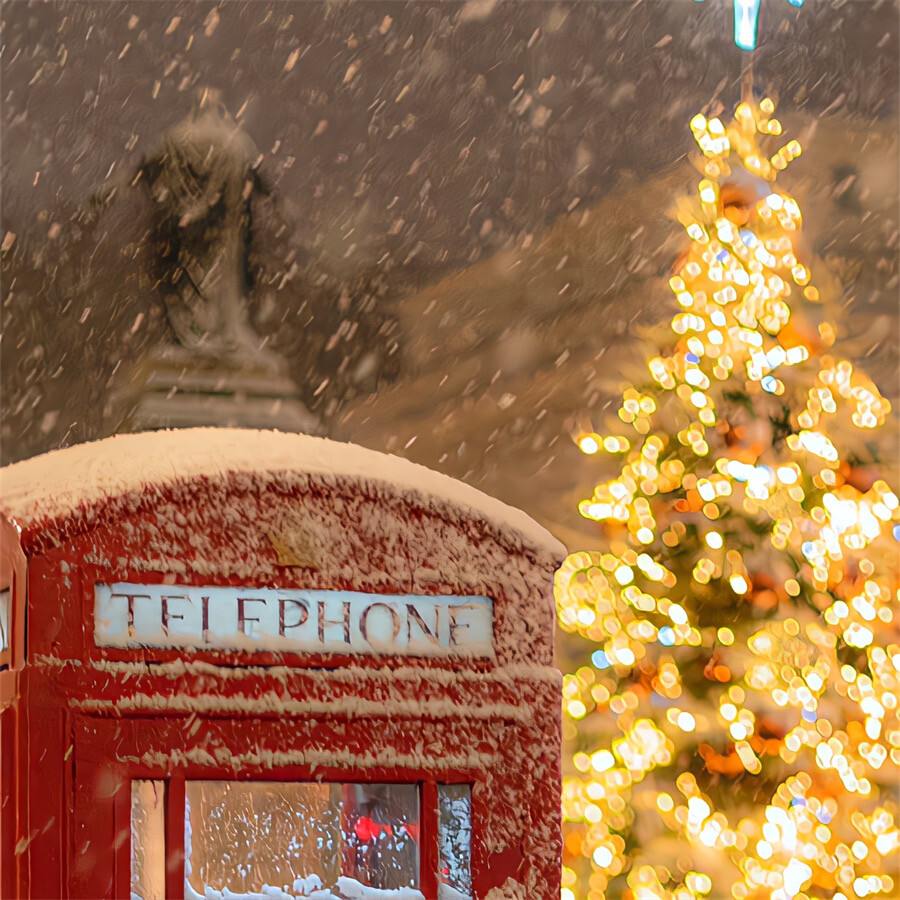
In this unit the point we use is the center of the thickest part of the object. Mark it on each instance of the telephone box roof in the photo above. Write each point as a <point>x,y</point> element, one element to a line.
<point>40,492</point>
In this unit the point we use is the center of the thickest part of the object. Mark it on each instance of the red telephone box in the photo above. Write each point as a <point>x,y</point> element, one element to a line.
<point>268,666</point>
<point>12,657</point>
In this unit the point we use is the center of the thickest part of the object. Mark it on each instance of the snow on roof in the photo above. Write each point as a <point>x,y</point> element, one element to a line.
<point>56,484</point>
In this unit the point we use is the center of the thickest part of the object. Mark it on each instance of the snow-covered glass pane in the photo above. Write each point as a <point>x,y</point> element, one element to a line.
<point>455,841</point>
<point>287,839</point>
<point>148,840</point>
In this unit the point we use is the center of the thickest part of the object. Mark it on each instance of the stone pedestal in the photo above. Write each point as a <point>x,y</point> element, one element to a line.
<point>178,388</point>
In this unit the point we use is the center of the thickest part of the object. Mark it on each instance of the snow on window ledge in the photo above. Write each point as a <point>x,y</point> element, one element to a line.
<point>353,890</point>
<point>446,892</point>
<point>349,889</point>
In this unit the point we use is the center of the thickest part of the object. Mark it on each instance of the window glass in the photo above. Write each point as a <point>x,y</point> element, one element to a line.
<point>301,839</point>
<point>148,840</point>
<point>5,620</point>
<point>455,840</point>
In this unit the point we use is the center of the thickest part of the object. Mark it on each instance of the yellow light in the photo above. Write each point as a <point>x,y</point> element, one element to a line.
<point>725,636</point>
<point>602,760</point>
<point>576,709</point>
<point>787,474</point>
<point>714,540</point>
<point>708,192</point>
<point>701,883</point>
<point>589,444</point>
<point>696,233</point>
<point>739,584</point>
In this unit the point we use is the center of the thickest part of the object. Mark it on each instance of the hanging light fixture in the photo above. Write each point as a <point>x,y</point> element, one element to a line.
<point>746,21</point>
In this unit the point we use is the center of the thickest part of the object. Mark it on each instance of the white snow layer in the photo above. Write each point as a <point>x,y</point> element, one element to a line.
<point>353,890</point>
<point>267,893</point>
<point>58,483</point>
<point>446,892</point>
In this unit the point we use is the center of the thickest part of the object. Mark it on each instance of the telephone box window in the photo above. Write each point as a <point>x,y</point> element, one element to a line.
<point>148,840</point>
<point>5,620</point>
<point>455,841</point>
<point>310,837</point>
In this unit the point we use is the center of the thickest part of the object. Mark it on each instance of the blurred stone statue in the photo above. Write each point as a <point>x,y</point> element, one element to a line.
<point>201,180</point>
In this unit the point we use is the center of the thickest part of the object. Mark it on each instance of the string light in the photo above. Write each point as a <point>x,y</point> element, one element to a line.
<point>743,694</point>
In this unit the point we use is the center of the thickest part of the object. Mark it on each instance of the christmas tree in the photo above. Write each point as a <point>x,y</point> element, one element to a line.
<point>738,727</point>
